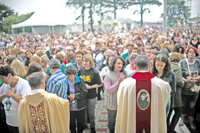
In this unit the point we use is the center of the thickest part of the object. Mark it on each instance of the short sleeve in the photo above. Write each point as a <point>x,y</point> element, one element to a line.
<point>62,67</point>
<point>97,78</point>
<point>48,71</point>
<point>25,89</point>
<point>2,88</point>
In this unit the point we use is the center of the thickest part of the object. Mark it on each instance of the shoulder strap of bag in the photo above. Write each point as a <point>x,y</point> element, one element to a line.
<point>188,67</point>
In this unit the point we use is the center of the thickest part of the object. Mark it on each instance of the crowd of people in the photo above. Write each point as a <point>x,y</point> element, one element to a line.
<point>82,67</point>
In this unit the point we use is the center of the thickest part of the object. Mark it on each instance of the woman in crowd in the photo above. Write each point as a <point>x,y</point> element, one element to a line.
<point>18,68</point>
<point>70,59</point>
<point>44,60</point>
<point>78,58</point>
<point>184,44</point>
<point>34,67</point>
<point>92,81</point>
<point>176,102</point>
<point>112,81</point>
<point>195,41</point>
<point>116,52</point>
<point>9,52</point>
<point>106,69</point>
<point>161,69</point>
<point>120,49</point>
<point>190,72</point>
<point>29,54</point>
<point>179,49</point>
<point>130,67</point>
<point>77,93</point>
<point>103,62</point>
<point>103,74</point>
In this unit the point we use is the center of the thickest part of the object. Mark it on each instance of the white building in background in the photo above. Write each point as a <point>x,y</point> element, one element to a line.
<point>194,10</point>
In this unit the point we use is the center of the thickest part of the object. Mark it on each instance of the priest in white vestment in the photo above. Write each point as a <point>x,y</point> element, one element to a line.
<point>142,101</point>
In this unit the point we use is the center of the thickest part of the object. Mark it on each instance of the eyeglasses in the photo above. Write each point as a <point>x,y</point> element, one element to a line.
<point>192,52</point>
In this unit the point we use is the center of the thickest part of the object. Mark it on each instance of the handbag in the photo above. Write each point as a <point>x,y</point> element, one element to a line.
<point>191,86</point>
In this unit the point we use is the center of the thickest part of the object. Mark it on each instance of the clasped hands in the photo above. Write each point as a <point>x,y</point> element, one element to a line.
<point>191,79</point>
<point>121,79</point>
<point>71,97</point>
<point>10,92</point>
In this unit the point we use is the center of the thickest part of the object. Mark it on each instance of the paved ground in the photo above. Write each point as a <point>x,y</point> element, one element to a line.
<point>101,120</point>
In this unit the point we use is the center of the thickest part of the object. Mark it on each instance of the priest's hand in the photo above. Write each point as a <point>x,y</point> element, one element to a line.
<point>10,92</point>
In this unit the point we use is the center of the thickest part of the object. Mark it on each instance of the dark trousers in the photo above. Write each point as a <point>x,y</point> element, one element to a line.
<point>13,129</point>
<point>3,125</point>
<point>99,92</point>
<point>111,120</point>
<point>189,102</point>
<point>178,111</point>
<point>78,116</point>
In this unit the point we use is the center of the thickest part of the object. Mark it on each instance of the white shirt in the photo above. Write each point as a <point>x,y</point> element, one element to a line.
<point>128,69</point>
<point>10,105</point>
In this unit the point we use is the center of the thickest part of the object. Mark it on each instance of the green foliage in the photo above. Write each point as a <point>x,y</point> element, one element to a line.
<point>84,4</point>
<point>5,11</point>
<point>113,5</point>
<point>177,10</point>
<point>142,10</point>
<point>15,19</point>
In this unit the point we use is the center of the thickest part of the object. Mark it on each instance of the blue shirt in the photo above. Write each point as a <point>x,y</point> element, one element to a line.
<point>57,84</point>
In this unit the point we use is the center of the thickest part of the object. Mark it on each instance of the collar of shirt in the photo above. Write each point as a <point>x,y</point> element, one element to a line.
<point>35,91</point>
<point>57,72</point>
<point>76,80</point>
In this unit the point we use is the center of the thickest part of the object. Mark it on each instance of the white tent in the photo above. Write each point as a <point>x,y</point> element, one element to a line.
<point>47,21</point>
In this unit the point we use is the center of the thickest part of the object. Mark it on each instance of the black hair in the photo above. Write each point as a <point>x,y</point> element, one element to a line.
<point>35,67</point>
<point>111,55</point>
<point>36,46</point>
<point>5,70</point>
<point>117,51</point>
<point>167,68</point>
<point>10,59</point>
<point>177,47</point>
<point>111,66</point>
<point>155,47</point>
<point>97,43</point>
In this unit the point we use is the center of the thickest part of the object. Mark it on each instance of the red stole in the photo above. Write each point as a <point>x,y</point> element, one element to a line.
<point>143,98</point>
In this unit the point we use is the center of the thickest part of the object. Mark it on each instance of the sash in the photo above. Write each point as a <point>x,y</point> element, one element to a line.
<point>143,98</point>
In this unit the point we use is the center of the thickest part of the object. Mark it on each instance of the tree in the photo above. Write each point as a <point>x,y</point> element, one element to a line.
<point>177,10</point>
<point>79,4</point>
<point>142,10</point>
<point>14,19</point>
<point>5,11</point>
<point>84,4</point>
<point>114,5</point>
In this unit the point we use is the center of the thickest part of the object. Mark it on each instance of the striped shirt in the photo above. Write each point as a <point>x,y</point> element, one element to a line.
<point>57,84</point>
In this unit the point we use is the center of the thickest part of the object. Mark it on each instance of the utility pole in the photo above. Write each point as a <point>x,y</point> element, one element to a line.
<point>164,17</point>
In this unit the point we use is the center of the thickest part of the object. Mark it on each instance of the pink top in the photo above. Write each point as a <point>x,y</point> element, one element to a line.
<point>107,84</point>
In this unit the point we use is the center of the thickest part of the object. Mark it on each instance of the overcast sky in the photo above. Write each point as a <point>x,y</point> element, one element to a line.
<point>26,6</point>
